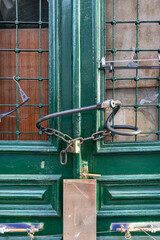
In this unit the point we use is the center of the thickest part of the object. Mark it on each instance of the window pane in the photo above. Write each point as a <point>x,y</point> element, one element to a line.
<point>133,33</point>
<point>24,57</point>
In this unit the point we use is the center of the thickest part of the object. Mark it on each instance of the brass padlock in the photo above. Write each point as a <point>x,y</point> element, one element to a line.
<point>75,147</point>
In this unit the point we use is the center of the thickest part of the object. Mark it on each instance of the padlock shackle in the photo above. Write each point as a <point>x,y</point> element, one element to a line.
<point>114,128</point>
<point>101,105</point>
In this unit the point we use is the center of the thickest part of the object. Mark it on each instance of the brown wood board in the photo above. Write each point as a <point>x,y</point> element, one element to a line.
<point>79,209</point>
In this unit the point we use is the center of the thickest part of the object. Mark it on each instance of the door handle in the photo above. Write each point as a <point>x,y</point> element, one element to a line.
<point>127,228</point>
<point>85,173</point>
<point>20,228</point>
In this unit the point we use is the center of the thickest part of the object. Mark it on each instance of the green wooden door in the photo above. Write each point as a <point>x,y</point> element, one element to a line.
<point>32,53</point>
<point>128,189</point>
<point>80,33</point>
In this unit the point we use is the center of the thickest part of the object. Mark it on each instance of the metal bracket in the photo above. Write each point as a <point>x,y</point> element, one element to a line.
<point>103,62</point>
<point>159,58</point>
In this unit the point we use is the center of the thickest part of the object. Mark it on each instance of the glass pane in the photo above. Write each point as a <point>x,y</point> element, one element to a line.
<point>127,40</point>
<point>28,64</point>
<point>147,119</point>
<point>28,10</point>
<point>149,10</point>
<point>149,35</point>
<point>8,10</point>
<point>24,53</point>
<point>133,33</point>
<point>125,10</point>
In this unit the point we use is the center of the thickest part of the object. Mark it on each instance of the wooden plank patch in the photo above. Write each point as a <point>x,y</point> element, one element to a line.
<point>79,209</point>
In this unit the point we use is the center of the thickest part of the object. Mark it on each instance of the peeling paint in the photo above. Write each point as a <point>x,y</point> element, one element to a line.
<point>42,164</point>
<point>77,235</point>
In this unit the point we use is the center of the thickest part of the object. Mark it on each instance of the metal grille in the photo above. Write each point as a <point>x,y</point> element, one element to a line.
<point>133,32</point>
<point>23,54</point>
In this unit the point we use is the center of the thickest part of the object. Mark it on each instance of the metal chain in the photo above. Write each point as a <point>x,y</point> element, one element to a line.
<point>66,138</point>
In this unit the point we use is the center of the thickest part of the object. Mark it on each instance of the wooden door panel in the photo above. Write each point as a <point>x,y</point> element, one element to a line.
<point>29,195</point>
<point>129,195</point>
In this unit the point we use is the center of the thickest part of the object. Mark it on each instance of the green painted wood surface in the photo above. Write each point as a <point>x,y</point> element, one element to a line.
<point>36,238</point>
<point>129,187</point>
<point>31,174</point>
<point>128,190</point>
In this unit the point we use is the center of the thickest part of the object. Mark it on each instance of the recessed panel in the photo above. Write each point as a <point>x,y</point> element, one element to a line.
<point>27,195</point>
<point>130,195</point>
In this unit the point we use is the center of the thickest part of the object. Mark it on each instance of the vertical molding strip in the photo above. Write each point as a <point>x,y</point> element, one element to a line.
<point>54,59</point>
<point>76,80</point>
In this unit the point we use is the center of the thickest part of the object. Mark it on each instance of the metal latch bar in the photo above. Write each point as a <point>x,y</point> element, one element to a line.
<point>136,227</point>
<point>85,173</point>
<point>131,65</point>
<point>20,227</point>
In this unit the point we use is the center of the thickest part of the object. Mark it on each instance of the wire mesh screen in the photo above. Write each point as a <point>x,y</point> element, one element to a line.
<point>132,33</point>
<point>24,57</point>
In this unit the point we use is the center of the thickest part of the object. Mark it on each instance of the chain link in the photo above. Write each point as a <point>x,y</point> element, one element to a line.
<point>66,138</point>
<point>56,133</point>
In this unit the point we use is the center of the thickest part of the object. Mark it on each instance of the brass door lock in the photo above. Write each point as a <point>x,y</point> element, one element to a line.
<point>75,147</point>
<point>85,173</point>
